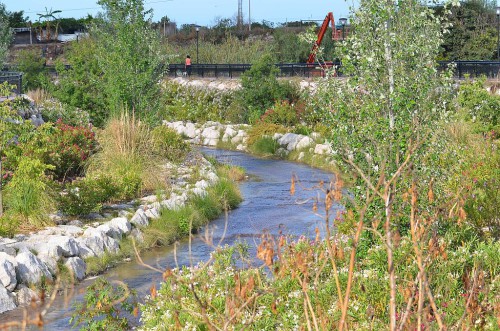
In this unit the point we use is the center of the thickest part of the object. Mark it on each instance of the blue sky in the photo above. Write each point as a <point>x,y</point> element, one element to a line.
<point>202,12</point>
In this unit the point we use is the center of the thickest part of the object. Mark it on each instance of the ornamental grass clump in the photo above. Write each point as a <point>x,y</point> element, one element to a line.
<point>126,155</point>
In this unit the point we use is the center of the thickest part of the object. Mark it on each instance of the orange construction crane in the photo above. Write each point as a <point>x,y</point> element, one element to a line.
<point>337,34</point>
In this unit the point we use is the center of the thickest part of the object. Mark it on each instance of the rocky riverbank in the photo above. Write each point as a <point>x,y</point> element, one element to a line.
<point>236,136</point>
<point>27,260</point>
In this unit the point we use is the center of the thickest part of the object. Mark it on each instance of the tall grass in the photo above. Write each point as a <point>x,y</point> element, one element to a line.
<point>126,156</point>
<point>231,51</point>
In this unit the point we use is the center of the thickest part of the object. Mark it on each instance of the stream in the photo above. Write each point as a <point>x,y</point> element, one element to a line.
<point>267,207</point>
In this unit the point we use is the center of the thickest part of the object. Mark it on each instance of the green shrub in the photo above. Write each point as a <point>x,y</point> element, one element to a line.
<point>265,145</point>
<point>28,194</point>
<point>53,111</point>
<point>281,113</point>
<point>104,307</point>
<point>168,143</point>
<point>32,65</point>
<point>66,148</point>
<point>86,195</point>
<point>263,129</point>
<point>200,104</point>
<point>481,107</point>
<point>260,88</point>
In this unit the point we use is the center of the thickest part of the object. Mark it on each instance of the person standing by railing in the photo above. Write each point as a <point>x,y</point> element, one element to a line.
<point>188,65</point>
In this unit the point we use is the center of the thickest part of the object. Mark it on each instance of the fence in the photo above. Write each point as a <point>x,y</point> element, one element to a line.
<point>14,78</point>
<point>235,70</point>
<point>490,69</point>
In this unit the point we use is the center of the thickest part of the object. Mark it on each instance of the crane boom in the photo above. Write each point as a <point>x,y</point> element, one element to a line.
<point>336,35</point>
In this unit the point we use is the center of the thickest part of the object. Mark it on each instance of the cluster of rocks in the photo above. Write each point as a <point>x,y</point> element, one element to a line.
<point>211,133</point>
<point>28,260</point>
<point>230,84</point>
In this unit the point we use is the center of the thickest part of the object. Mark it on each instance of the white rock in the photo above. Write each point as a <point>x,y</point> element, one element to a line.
<point>30,269</point>
<point>210,133</point>
<point>6,300</point>
<point>198,191</point>
<point>140,219</point>
<point>77,267</point>
<point>240,147</point>
<point>203,184</point>
<point>65,246</point>
<point>322,149</point>
<point>301,156</point>
<point>8,271</point>
<point>63,230</point>
<point>121,224</point>
<point>290,140</point>
<point>91,245</point>
<point>190,130</point>
<point>304,143</point>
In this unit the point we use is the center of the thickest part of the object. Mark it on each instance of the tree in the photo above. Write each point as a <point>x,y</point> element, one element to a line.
<point>472,35</point>
<point>5,34</point>
<point>48,19</point>
<point>383,117</point>
<point>129,56</point>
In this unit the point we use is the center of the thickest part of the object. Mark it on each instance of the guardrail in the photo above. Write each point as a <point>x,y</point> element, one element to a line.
<point>490,69</point>
<point>14,78</point>
<point>235,70</point>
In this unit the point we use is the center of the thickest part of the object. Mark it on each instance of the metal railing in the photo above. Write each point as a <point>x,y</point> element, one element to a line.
<point>490,69</point>
<point>14,78</point>
<point>235,70</point>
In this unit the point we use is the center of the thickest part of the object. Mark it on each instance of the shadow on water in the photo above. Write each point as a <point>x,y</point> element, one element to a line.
<point>267,207</point>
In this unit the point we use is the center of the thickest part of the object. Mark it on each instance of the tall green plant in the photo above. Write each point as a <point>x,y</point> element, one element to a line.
<point>129,56</point>
<point>384,116</point>
<point>5,34</point>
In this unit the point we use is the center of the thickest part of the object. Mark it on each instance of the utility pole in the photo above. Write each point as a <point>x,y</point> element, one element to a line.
<point>239,19</point>
<point>249,20</point>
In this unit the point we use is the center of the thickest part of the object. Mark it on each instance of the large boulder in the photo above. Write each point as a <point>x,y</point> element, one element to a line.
<point>290,140</point>
<point>121,224</point>
<point>140,219</point>
<point>6,300</point>
<point>30,269</point>
<point>97,240</point>
<point>8,271</point>
<point>77,267</point>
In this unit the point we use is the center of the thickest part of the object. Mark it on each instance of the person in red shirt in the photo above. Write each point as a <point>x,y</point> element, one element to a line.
<point>188,65</point>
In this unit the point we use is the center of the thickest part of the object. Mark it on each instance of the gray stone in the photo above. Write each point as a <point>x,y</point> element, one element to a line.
<point>64,246</point>
<point>190,130</point>
<point>137,235</point>
<point>290,140</point>
<point>211,133</point>
<point>152,213</point>
<point>85,251</point>
<point>97,240</point>
<point>30,269</point>
<point>77,223</point>
<point>8,271</point>
<point>77,267</point>
<point>25,296</point>
<point>92,241</point>
<point>6,300</point>
<point>121,224</point>
<point>140,219</point>
<point>109,230</point>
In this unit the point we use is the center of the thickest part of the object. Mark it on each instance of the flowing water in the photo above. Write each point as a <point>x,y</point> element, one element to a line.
<point>267,207</point>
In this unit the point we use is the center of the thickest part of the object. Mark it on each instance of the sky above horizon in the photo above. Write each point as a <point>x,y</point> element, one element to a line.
<point>202,12</point>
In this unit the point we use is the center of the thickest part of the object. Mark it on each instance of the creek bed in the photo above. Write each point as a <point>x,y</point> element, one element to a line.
<point>267,207</point>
